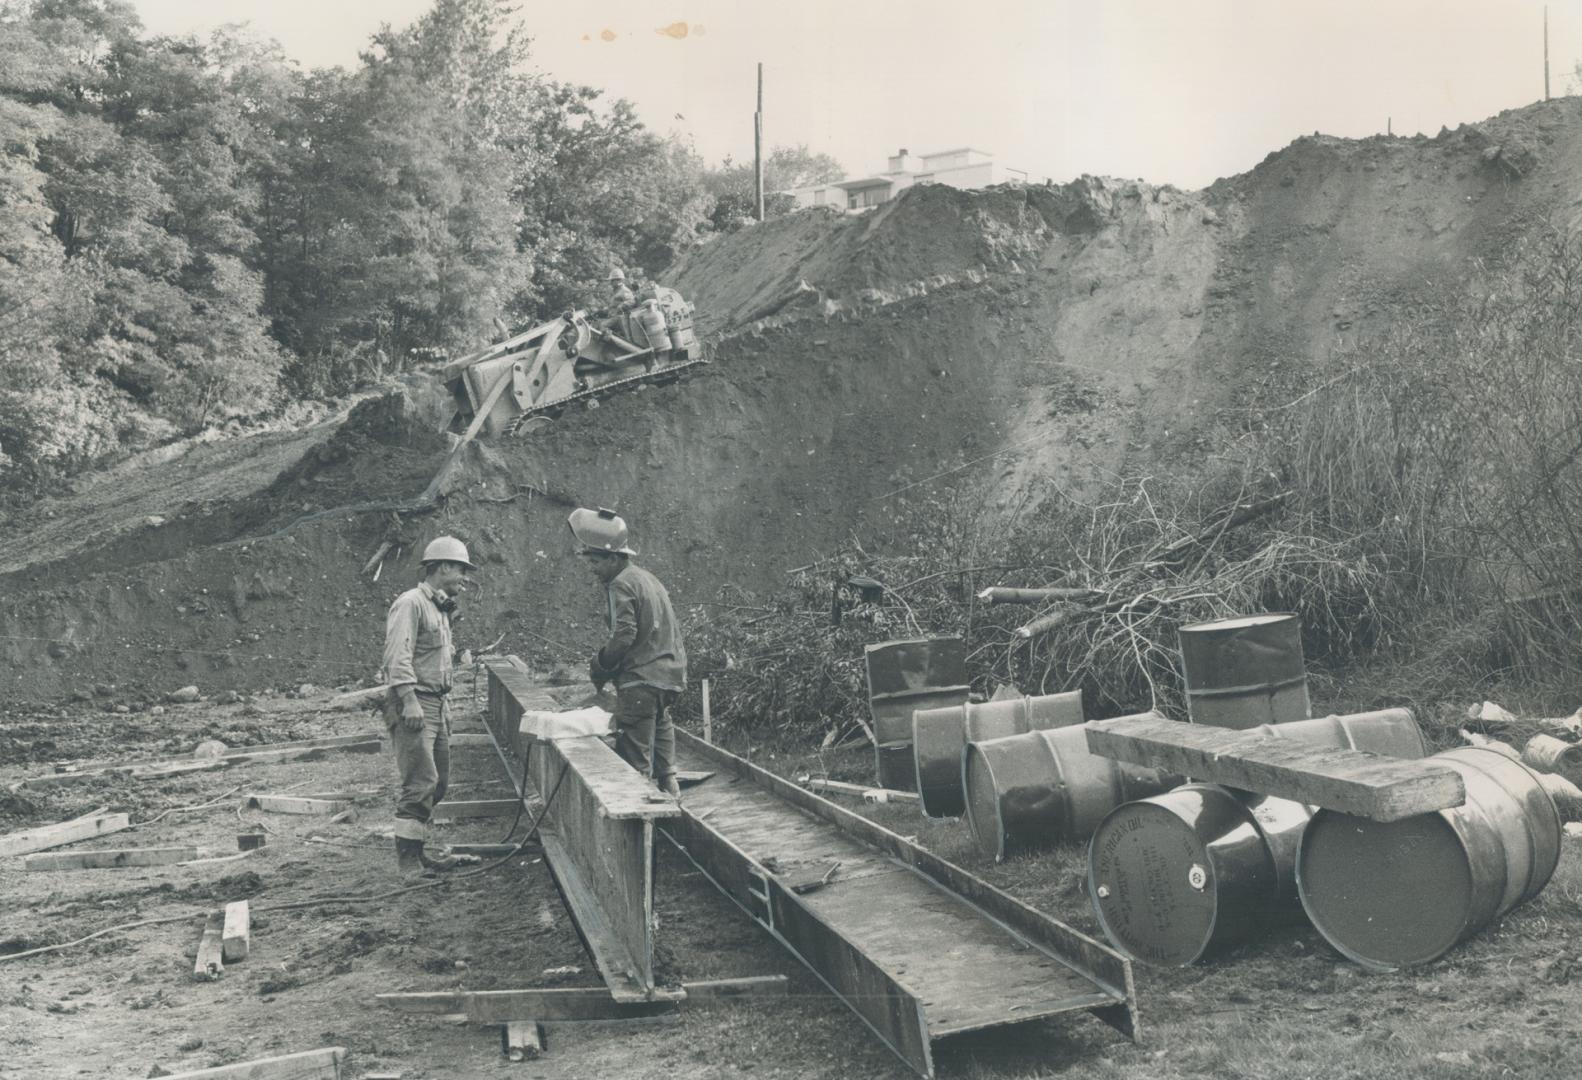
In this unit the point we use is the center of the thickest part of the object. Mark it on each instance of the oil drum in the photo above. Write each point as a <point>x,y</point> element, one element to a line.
<point>1029,791</point>
<point>1395,894</point>
<point>904,676</point>
<point>940,737</point>
<point>1245,671</point>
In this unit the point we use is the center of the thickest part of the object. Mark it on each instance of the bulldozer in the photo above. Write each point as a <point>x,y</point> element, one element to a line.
<point>572,359</point>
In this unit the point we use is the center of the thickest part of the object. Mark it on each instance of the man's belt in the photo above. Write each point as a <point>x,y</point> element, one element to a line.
<point>431,691</point>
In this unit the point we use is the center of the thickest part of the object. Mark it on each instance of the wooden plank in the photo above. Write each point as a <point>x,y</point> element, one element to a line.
<point>159,770</point>
<point>323,1064</point>
<point>153,771</point>
<point>478,808</point>
<point>747,986</point>
<point>487,851</point>
<point>237,939</point>
<point>294,804</point>
<point>210,962</point>
<point>470,738</point>
<point>1350,781</point>
<point>615,786</point>
<point>866,792</point>
<point>64,832</point>
<point>688,777</point>
<point>556,1004</point>
<point>368,744</point>
<point>108,858</point>
<point>522,1040</point>
<point>338,796</point>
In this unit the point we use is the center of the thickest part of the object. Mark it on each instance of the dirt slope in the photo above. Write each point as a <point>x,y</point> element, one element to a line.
<point>1004,339</point>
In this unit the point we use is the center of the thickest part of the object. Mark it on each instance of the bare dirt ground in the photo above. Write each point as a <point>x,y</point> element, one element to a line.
<point>1503,1004</point>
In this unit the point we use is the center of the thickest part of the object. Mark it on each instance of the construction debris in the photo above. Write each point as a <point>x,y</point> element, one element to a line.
<point>861,791</point>
<point>109,858</point>
<point>324,1064</point>
<point>522,1040</point>
<point>290,804</point>
<point>94,823</point>
<point>236,940</point>
<point>210,962</point>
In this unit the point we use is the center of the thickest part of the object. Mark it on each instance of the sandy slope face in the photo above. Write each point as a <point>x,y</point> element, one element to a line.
<point>1007,342</point>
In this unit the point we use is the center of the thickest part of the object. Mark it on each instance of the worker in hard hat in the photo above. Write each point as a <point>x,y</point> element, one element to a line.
<point>643,657</point>
<point>417,670</point>
<point>621,295</point>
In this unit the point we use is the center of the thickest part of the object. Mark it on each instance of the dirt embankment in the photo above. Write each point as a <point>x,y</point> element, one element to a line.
<point>1004,340</point>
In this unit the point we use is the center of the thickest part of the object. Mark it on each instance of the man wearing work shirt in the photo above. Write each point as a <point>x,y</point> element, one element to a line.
<point>644,656</point>
<point>417,670</point>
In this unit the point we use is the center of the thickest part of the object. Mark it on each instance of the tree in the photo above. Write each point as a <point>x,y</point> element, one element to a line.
<point>785,167</point>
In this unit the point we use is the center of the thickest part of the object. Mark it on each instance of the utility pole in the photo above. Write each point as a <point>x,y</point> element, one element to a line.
<point>758,145</point>
<point>1546,57</point>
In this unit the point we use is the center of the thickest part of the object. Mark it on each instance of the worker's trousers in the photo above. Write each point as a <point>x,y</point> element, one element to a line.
<point>644,736</point>
<point>423,759</point>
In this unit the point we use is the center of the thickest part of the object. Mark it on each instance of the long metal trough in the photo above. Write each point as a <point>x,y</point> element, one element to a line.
<point>918,948</point>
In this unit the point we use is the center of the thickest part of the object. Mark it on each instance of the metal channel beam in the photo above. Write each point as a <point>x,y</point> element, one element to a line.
<point>899,934</point>
<point>598,833</point>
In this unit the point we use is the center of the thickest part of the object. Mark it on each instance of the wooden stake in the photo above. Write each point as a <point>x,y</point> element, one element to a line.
<point>236,939</point>
<point>758,150</point>
<point>708,728</point>
<point>210,964</point>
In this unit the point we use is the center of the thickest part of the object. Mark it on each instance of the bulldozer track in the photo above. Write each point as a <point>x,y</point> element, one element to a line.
<point>664,374</point>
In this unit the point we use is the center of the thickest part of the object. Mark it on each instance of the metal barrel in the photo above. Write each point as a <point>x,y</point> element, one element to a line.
<point>1030,791</point>
<point>904,676</point>
<point>1395,894</point>
<point>1245,671</point>
<point>1175,876</point>
<point>1218,865</point>
<point>1546,753</point>
<point>940,737</point>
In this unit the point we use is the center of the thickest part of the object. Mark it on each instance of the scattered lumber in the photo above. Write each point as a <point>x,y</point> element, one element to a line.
<point>557,1005</point>
<point>747,986</point>
<point>293,804</point>
<point>688,777</point>
<point>522,1040</point>
<point>862,791</point>
<point>357,699</point>
<point>477,808</point>
<point>210,963</point>
<point>159,770</point>
<point>324,1064</point>
<point>109,858</point>
<point>249,841</point>
<point>237,938</point>
<point>1353,782</point>
<point>62,833</point>
<point>337,796</point>
<point>470,738</point>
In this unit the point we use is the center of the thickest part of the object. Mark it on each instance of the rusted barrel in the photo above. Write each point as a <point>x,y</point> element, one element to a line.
<point>1545,753</point>
<point>904,676</point>
<point>1245,671</point>
<point>1030,791</point>
<point>1176,876</point>
<point>1395,894</point>
<point>940,737</point>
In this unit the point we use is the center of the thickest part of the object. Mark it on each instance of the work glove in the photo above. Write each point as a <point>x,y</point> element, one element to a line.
<point>411,713</point>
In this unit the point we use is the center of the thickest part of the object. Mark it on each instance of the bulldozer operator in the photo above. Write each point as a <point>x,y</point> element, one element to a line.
<point>644,656</point>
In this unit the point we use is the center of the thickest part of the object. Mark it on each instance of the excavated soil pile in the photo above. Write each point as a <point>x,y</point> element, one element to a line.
<point>1008,340</point>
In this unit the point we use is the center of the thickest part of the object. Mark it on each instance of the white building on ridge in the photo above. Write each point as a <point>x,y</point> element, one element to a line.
<point>961,168</point>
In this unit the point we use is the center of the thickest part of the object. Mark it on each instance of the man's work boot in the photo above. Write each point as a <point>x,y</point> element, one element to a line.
<point>409,857</point>
<point>670,787</point>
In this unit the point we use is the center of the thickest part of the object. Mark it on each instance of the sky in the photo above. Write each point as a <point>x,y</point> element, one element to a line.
<point>1170,91</point>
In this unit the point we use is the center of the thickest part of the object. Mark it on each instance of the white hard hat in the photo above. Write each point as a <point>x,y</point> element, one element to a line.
<point>616,274</point>
<point>447,549</point>
<point>599,530</point>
